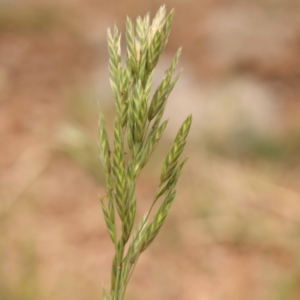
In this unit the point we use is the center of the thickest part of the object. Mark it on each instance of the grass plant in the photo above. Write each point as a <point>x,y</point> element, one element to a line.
<point>138,126</point>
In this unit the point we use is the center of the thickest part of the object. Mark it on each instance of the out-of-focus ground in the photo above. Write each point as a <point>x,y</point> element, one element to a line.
<point>234,230</point>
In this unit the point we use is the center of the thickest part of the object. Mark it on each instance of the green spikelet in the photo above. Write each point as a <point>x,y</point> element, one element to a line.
<point>171,182</point>
<point>158,220</point>
<point>119,171</point>
<point>152,142</point>
<point>158,117</point>
<point>137,240</point>
<point>159,33</point>
<point>155,39</point>
<point>148,86</point>
<point>166,28</point>
<point>177,148</point>
<point>114,51</point>
<point>130,41</point>
<point>153,230</point>
<point>139,113</point>
<point>142,28</point>
<point>164,89</point>
<point>104,146</point>
<point>168,200</point>
<point>128,222</point>
<point>125,93</point>
<point>109,223</point>
<point>176,174</point>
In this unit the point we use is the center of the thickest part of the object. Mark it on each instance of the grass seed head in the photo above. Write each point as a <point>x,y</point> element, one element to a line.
<point>137,123</point>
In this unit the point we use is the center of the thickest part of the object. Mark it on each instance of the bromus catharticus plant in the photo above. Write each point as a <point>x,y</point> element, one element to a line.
<point>138,126</point>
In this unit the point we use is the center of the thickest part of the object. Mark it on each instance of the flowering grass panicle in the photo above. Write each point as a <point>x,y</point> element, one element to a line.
<point>138,125</point>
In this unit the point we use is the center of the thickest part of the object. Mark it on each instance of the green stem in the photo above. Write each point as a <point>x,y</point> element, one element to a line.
<point>118,289</point>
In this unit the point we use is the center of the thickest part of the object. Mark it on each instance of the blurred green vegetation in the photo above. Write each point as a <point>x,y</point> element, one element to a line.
<point>76,139</point>
<point>26,285</point>
<point>38,19</point>
<point>287,286</point>
<point>283,148</point>
<point>75,143</point>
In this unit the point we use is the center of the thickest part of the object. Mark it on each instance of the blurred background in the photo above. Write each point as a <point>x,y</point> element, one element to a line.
<point>234,230</point>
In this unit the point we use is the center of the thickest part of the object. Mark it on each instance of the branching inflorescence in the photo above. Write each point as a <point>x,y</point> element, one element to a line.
<point>138,125</point>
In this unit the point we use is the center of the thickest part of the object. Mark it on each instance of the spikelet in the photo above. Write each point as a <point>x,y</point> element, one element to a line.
<point>152,142</point>
<point>176,150</point>
<point>114,51</point>
<point>119,171</point>
<point>158,38</point>
<point>129,221</point>
<point>153,228</point>
<point>109,223</point>
<point>104,146</point>
<point>164,89</point>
